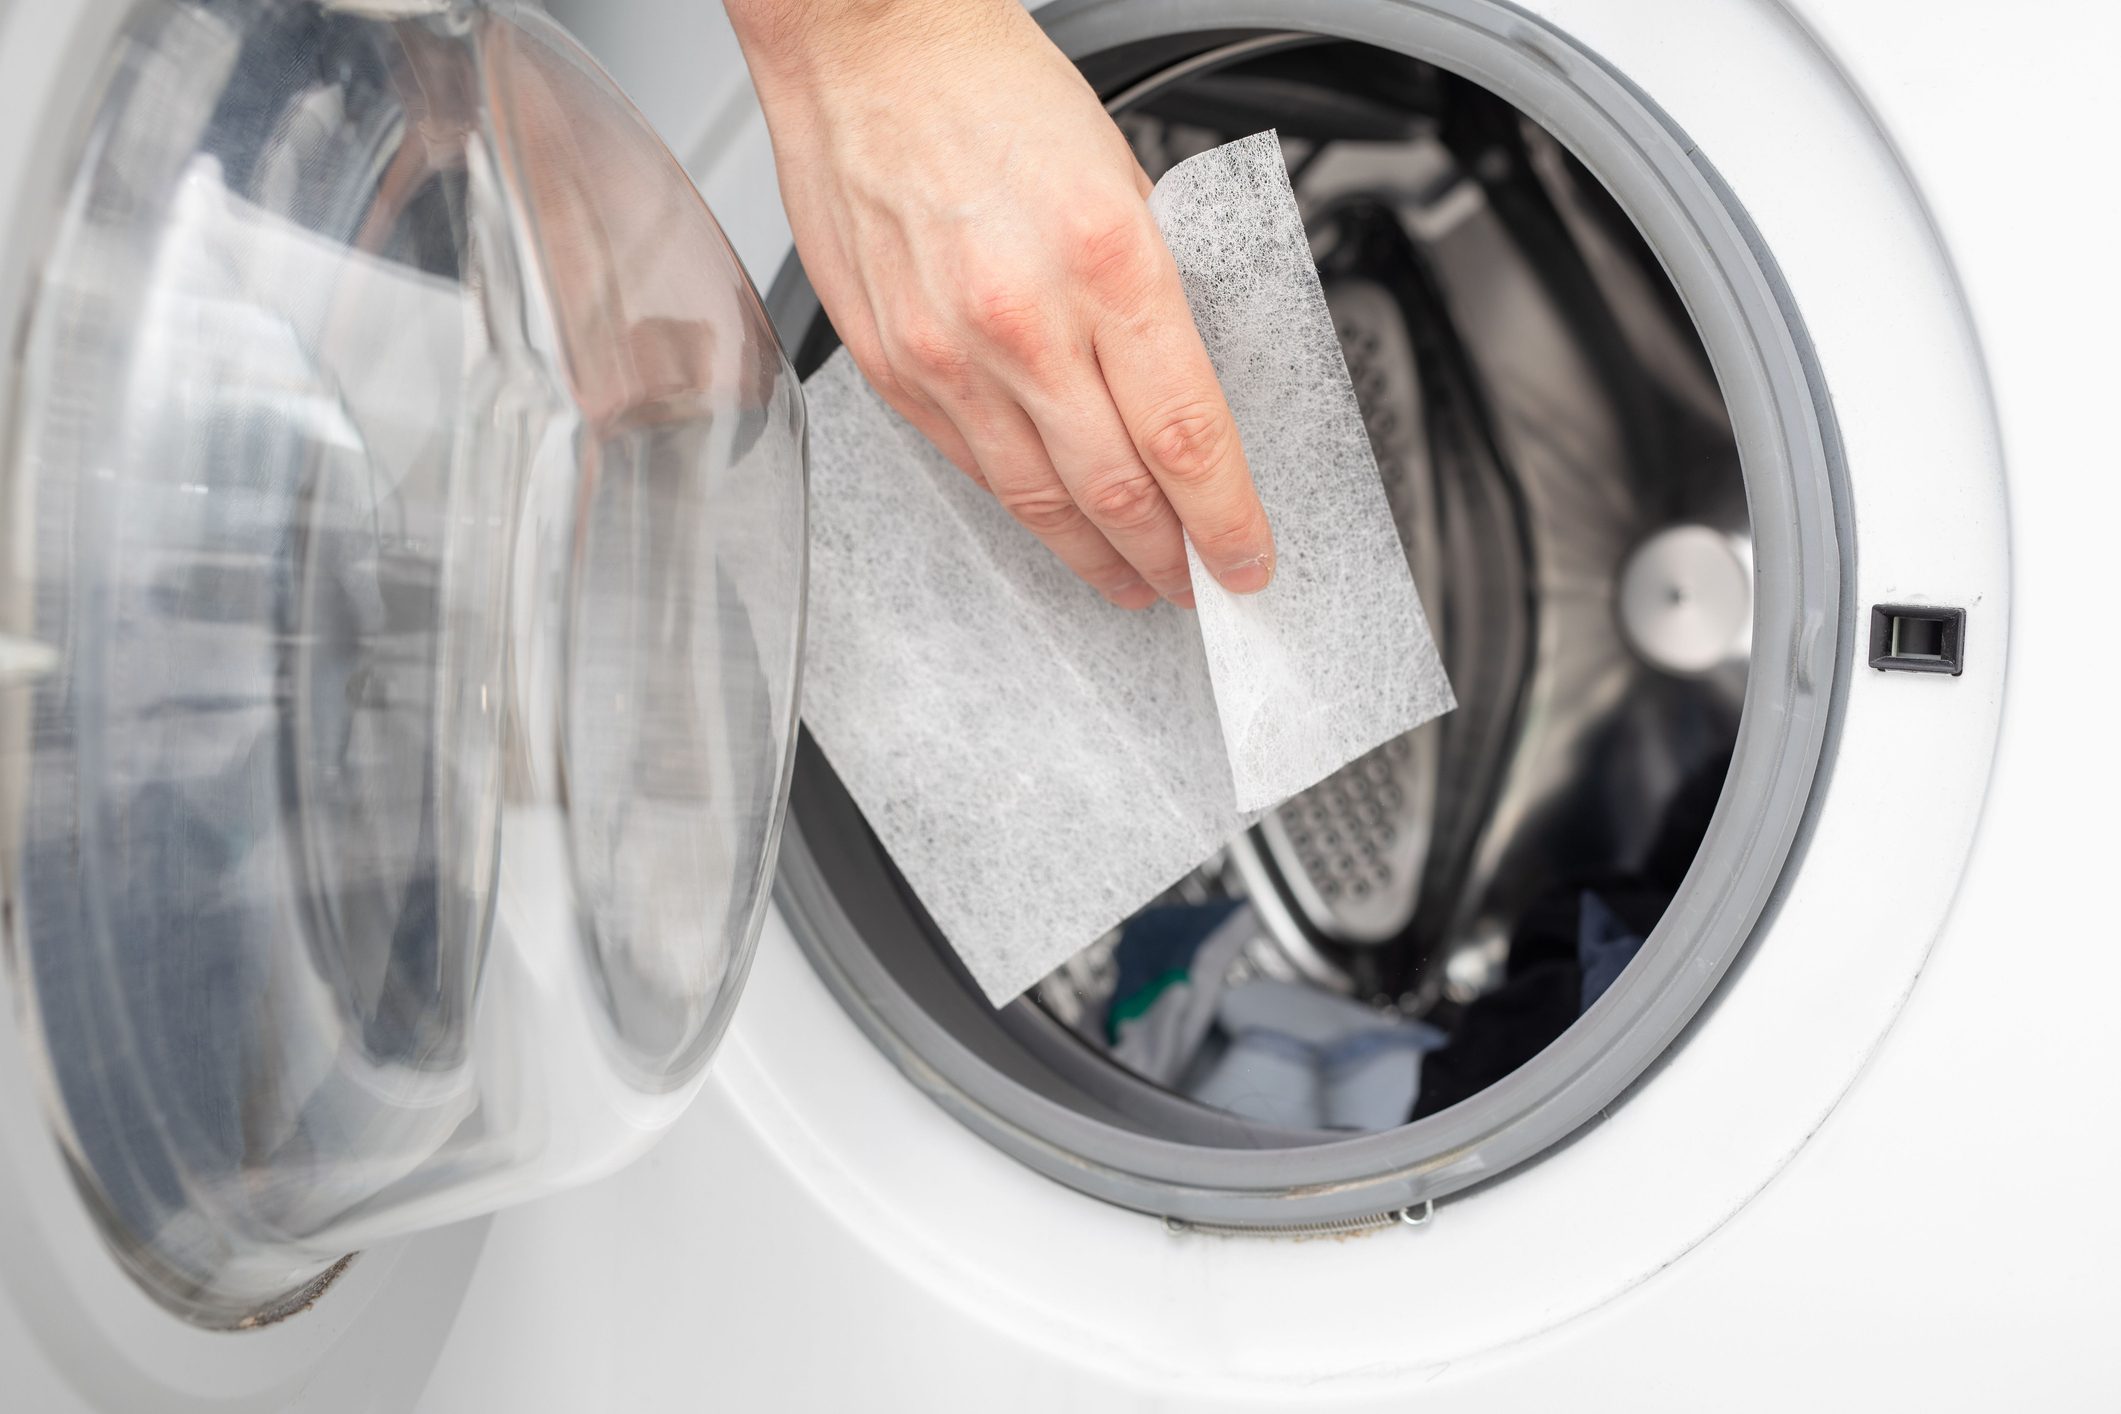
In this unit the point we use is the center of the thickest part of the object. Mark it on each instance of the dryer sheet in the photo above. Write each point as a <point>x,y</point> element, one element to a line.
<point>1040,764</point>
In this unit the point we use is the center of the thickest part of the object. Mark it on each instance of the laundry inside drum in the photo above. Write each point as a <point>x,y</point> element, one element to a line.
<point>1566,482</point>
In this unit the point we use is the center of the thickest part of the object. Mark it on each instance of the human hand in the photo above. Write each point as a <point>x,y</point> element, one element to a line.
<point>977,230</point>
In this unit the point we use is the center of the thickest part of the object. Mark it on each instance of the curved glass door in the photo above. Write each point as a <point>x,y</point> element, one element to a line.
<point>409,493</point>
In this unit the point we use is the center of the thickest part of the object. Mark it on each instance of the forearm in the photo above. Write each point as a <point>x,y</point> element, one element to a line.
<point>795,44</point>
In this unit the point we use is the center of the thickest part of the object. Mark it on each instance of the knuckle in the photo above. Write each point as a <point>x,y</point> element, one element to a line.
<point>1188,443</point>
<point>1129,500</point>
<point>1042,512</point>
<point>1109,252</point>
<point>928,352</point>
<point>1011,320</point>
<point>1219,541</point>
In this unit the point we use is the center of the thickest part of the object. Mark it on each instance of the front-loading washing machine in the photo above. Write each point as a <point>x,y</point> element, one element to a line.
<point>403,615</point>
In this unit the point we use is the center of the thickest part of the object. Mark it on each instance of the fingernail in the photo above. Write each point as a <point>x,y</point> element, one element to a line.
<point>1183,598</point>
<point>1132,595</point>
<point>1248,576</point>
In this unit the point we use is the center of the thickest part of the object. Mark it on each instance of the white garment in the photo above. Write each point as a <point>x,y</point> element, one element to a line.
<point>1308,1059</point>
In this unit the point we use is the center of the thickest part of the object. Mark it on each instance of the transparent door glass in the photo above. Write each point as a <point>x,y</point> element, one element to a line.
<point>406,491</point>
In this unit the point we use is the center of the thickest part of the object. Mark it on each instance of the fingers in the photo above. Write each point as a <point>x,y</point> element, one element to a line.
<point>1022,477</point>
<point>1165,389</point>
<point>977,423</point>
<point>1096,461</point>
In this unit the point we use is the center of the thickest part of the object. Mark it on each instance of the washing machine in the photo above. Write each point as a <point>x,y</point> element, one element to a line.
<point>442,975</point>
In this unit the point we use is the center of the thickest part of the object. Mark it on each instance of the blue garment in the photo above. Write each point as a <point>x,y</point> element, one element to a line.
<point>1156,950</point>
<point>1604,947</point>
<point>1172,964</point>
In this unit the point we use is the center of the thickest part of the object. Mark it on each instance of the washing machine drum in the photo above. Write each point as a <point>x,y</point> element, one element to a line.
<point>408,573</point>
<point>1446,957</point>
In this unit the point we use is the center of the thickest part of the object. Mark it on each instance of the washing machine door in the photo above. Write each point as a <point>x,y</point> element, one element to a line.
<point>402,595</point>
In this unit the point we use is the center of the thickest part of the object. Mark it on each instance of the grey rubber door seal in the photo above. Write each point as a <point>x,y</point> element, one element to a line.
<point>1122,1140</point>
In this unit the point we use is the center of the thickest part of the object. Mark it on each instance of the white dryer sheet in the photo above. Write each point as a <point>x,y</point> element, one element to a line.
<point>1040,764</point>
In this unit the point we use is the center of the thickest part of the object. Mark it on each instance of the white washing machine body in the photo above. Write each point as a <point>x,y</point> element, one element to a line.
<point>1871,1171</point>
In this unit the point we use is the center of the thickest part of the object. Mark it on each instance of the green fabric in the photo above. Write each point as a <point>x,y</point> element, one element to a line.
<point>1137,1003</point>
